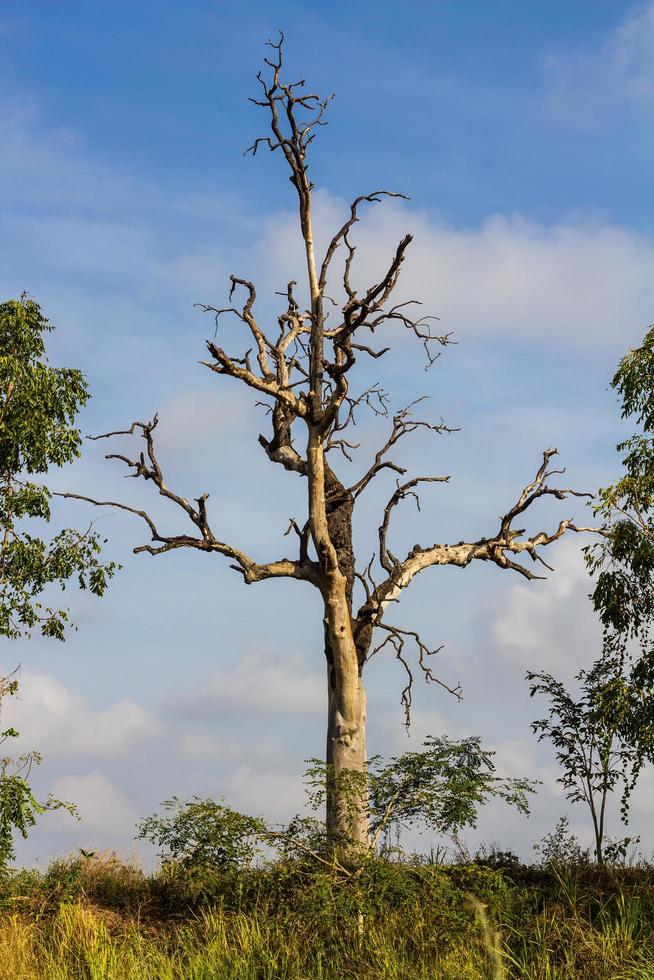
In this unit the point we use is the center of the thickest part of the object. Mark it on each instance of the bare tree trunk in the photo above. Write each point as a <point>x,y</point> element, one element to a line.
<point>347,816</point>
<point>330,516</point>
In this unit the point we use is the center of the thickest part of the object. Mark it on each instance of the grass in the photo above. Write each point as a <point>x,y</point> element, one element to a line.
<point>100,919</point>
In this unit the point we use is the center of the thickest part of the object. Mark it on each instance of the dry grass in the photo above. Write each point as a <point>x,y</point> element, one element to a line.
<point>105,920</point>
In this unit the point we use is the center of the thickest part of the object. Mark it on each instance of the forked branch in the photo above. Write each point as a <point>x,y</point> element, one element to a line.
<point>501,548</point>
<point>397,639</point>
<point>403,424</point>
<point>148,468</point>
<point>246,315</point>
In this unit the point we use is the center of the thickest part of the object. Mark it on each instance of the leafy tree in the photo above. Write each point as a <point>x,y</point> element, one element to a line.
<point>19,807</point>
<point>302,367</point>
<point>624,560</point>
<point>38,406</point>
<point>199,833</point>
<point>439,789</point>
<point>590,732</point>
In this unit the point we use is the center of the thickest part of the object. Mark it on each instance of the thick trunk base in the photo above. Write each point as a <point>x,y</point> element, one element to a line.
<point>347,802</point>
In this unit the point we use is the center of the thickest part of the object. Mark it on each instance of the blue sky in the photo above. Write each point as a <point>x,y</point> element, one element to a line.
<point>475,107</point>
<point>523,134</point>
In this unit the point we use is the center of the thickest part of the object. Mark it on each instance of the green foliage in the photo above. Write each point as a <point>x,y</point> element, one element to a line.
<point>96,917</point>
<point>301,839</point>
<point>439,788</point>
<point>602,736</point>
<point>623,567</point>
<point>40,403</point>
<point>18,806</point>
<point>634,381</point>
<point>624,561</point>
<point>38,407</point>
<point>442,787</point>
<point>200,833</point>
<point>561,848</point>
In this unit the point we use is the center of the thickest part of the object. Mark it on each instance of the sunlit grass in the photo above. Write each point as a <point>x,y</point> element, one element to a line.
<point>91,920</point>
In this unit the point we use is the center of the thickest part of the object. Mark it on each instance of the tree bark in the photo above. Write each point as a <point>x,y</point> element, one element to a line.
<point>346,817</point>
<point>330,507</point>
<point>346,804</point>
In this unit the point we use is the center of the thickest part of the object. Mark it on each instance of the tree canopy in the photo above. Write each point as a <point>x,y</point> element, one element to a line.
<point>624,560</point>
<point>38,408</point>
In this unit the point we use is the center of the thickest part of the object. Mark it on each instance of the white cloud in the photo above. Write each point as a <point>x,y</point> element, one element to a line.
<point>549,626</point>
<point>587,85</point>
<point>262,683</point>
<point>642,803</point>
<point>573,282</point>
<point>632,50</point>
<point>514,758</point>
<point>197,417</point>
<point>208,745</point>
<point>102,807</point>
<point>61,723</point>
<point>274,793</point>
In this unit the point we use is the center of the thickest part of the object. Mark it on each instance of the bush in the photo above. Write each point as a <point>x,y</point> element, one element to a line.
<point>202,833</point>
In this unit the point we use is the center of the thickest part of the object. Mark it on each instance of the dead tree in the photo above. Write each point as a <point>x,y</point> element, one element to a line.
<point>304,372</point>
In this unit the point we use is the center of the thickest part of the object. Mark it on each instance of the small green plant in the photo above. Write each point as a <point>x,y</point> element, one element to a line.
<point>560,847</point>
<point>588,735</point>
<point>19,807</point>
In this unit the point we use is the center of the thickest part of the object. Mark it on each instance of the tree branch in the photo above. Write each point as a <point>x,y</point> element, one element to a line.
<point>402,491</point>
<point>403,424</point>
<point>239,368</point>
<point>397,639</point>
<point>147,466</point>
<point>499,549</point>
<point>341,236</point>
<point>246,315</point>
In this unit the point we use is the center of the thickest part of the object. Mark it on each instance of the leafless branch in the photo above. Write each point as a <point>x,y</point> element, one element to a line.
<point>397,638</point>
<point>148,468</point>
<point>501,548</point>
<point>341,236</point>
<point>366,579</point>
<point>246,315</point>
<point>403,424</point>
<point>278,95</point>
<point>402,490</point>
<point>304,535</point>
<point>374,398</point>
<point>343,446</point>
<point>240,369</point>
<point>370,351</point>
